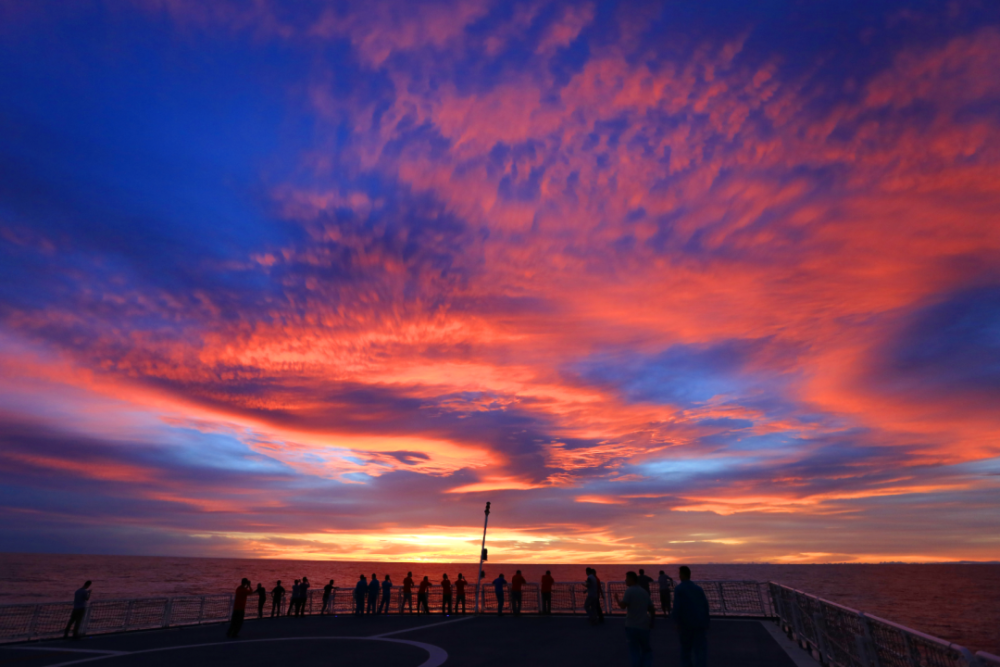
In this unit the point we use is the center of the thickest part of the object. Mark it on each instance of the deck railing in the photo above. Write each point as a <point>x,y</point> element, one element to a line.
<point>839,636</point>
<point>835,634</point>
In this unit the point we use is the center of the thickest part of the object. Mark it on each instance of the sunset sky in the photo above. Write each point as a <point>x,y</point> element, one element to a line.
<point>709,280</point>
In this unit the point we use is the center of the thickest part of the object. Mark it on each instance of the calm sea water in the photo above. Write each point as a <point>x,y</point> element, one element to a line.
<point>960,603</point>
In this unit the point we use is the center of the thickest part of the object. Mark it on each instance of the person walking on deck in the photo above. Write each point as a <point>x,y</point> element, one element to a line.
<point>303,597</point>
<point>386,595</point>
<point>639,616</point>
<point>460,593</point>
<point>360,593</point>
<point>239,608</point>
<point>327,595</point>
<point>516,582</point>
<point>373,589</point>
<point>665,583</point>
<point>547,582</point>
<point>277,593</point>
<point>407,594</point>
<point>422,595</point>
<point>81,598</point>
<point>691,616</point>
<point>293,600</point>
<point>261,599</point>
<point>446,595</point>
<point>498,587</point>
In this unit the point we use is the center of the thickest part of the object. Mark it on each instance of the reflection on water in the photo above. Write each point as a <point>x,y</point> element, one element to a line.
<point>955,602</point>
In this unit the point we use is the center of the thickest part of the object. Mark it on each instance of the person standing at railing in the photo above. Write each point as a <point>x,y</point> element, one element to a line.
<point>498,588</point>
<point>81,598</point>
<point>547,582</point>
<point>408,594</point>
<point>300,608</point>
<point>422,595</point>
<point>360,592</point>
<point>239,609</point>
<point>261,599</point>
<point>645,580</point>
<point>516,582</point>
<point>327,593</point>
<point>386,595</point>
<point>373,589</point>
<point>665,583</point>
<point>639,616</point>
<point>600,598</point>
<point>692,618</point>
<point>277,593</point>
<point>593,597</point>
<point>446,595</point>
<point>295,597</point>
<point>460,593</point>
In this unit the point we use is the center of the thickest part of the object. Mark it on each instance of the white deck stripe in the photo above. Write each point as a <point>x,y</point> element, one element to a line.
<point>436,655</point>
<point>420,627</point>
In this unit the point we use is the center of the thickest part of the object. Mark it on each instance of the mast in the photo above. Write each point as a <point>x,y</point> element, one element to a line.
<point>482,556</point>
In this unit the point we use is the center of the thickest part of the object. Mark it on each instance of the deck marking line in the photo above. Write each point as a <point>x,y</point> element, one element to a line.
<point>421,627</point>
<point>436,655</point>
<point>66,650</point>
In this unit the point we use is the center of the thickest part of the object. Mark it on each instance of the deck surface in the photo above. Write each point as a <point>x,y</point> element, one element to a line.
<point>404,641</point>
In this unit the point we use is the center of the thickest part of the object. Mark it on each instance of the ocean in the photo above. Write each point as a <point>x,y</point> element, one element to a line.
<point>957,602</point>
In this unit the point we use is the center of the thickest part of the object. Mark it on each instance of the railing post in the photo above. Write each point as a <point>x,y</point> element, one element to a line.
<point>760,601</point>
<point>869,641</point>
<point>201,609</point>
<point>33,623</point>
<point>127,621</point>
<point>167,608</point>
<point>572,597</point>
<point>722,598</point>
<point>819,622</point>
<point>85,624</point>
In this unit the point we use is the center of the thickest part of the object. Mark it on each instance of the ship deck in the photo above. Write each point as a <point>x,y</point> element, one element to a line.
<point>405,641</point>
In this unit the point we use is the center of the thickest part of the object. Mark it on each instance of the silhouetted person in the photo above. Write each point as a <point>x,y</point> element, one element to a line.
<point>498,588</point>
<point>516,582</point>
<point>691,615</point>
<point>408,594</point>
<point>593,596</point>
<point>327,593</point>
<point>460,593</point>
<point>386,595</point>
<point>446,595</point>
<point>422,595</point>
<point>373,589</point>
<point>239,608</point>
<point>600,597</point>
<point>639,616</point>
<point>300,607</point>
<point>360,593</point>
<point>261,599</point>
<point>277,593</point>
<point>80,600</point>
<point>295,597</point>
<point>547,582</point>
<point>665,583</point>
<point>645,580</point>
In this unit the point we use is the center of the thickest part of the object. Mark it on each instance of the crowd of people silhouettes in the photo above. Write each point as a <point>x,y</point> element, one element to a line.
<point>689,608</point>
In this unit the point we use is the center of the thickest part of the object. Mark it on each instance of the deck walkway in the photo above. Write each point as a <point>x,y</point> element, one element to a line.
<point>409,641</point>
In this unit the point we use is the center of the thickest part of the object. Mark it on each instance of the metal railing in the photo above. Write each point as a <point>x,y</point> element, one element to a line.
<point>839,636</point>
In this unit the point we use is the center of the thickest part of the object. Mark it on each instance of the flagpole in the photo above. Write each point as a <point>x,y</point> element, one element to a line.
<point>482,552</point>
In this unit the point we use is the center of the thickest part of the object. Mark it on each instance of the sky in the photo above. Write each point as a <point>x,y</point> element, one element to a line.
<point>664,282</point>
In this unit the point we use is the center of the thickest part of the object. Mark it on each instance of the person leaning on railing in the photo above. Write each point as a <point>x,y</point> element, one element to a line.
<point>80,600</point>
<point>239,608</point>
<point>547,582</point>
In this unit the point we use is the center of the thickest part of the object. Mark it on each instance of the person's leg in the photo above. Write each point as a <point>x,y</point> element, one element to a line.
<point>500,605</point>
<point>700,649</point>
<point>76,619</point>
<point>686,642</point>
<point>647,647</point>
<point>634,647</point>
